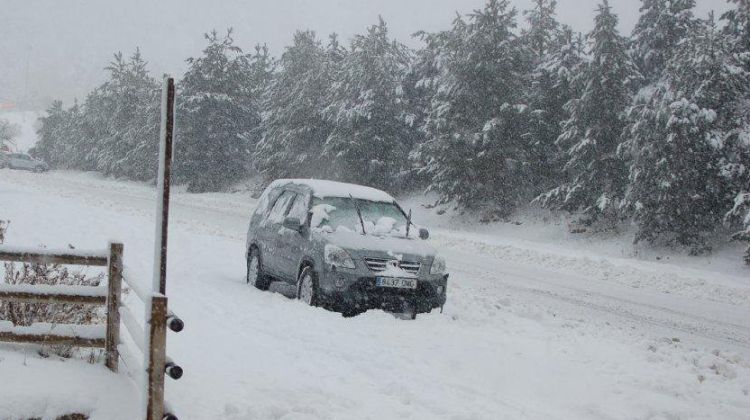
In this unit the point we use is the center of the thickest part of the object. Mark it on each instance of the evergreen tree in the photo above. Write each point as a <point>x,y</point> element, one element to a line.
<point>737,166</point>
<point>676,190</point>
<point>114,131</point>
<point>260,73</point>
<point>738,25</point>
<point>678,143</point>
<point>372,131</point>
<point>597,178</point>
<point>125,109</point>
<point>8,132</point>
<point>660,28</point>
<point>558,53</point>
<point>50,133</point>
<point>474,151</point>
<point>219,117</point>
<point>740,214</point>
<point>543,28</point>
<point>294,127</point>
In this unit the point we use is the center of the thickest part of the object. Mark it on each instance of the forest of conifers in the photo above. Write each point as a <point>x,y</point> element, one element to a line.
<point>504,109</point>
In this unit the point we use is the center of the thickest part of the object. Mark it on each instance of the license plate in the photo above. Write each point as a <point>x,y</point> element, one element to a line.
<point>396,282</point>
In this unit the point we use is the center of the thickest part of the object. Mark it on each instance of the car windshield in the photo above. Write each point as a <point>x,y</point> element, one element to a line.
<point>336,214</point>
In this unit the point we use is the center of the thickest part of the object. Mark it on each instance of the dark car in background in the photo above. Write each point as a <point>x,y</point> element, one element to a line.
<point>22,161</point>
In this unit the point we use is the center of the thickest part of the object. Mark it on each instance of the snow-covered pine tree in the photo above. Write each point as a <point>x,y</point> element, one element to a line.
<point>8,132</point>
<point>60,133</point>
<point>738,26</point>
<point>676,189</point>
<point>50,138</point>
<point>677,143</point>
<point>558,52</point>
<point>740,215</point>
<point>294,128</point>
<point>596,176</point>
<point>474,150</point>
<point>219,117</point>
<point>126,108</point>
<point>737,164</point>
<point>113,132</point>
<point>543,29</point>
<point>660,28</point>
<point>260,72</point>
<point>372,126</point>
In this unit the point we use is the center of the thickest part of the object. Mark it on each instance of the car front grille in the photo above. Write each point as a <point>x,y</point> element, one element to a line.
<point>379,264</point>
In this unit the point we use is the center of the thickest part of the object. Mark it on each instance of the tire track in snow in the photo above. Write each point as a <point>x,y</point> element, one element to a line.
<point>726,333</point>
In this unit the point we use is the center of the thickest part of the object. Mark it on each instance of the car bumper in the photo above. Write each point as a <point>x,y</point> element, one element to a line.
<point>352,291</point>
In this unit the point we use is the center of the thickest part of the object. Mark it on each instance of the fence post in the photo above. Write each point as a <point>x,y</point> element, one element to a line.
<point>113,305</point>
<point>157,347</point>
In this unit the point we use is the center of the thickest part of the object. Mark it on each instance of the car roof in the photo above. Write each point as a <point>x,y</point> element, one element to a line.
<point>323,188</point>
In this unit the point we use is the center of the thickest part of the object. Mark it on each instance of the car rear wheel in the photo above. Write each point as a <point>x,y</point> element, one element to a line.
<point>307,287</point>
<point>255,274</point>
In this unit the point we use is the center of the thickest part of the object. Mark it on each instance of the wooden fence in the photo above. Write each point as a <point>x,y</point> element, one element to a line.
<point>149,335</point>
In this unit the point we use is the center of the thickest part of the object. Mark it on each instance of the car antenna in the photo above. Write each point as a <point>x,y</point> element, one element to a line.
<point>359,213</point>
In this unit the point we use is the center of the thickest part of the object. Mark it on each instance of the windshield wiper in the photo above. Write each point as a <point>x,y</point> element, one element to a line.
<point>359,213</point>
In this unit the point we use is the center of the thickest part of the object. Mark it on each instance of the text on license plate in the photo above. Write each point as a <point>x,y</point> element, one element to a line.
<point>396,282</point>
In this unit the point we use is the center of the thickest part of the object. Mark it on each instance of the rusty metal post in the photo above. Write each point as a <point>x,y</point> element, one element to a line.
<point>157,358</point>
<point>163,186</point>
<point>114,288</point>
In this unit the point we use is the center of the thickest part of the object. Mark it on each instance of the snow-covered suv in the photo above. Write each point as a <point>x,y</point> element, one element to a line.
<point>345,247</point>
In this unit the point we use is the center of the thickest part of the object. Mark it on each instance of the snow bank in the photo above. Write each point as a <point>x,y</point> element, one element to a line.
<point>37,387</point>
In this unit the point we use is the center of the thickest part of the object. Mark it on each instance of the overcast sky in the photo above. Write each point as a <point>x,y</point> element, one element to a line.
<point>58,48</point>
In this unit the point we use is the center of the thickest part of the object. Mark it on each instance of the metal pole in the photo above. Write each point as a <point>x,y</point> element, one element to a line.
<point>113,305</point>
<point>165,176</point>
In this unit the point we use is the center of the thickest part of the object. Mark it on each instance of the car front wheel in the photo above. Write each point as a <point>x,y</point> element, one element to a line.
<point>307,287</point>
<point>255,274</point>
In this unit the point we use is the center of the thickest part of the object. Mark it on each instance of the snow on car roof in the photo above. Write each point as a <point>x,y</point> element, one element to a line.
<point>322,188</point>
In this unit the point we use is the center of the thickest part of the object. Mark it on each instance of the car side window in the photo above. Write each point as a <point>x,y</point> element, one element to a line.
<point>264,205</point>
<point>300,208</point>
<point>280,207</point>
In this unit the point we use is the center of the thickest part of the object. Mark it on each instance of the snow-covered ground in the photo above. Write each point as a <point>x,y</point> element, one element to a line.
<point>538,325</point>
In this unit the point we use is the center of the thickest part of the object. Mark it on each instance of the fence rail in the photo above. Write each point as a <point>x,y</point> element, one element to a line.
<point>31,255</point>
<point>54,294</point>
<point>150,338</point>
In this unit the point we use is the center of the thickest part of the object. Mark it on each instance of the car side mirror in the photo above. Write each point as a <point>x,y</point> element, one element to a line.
<point>293,223</point>
<point>424,233</point>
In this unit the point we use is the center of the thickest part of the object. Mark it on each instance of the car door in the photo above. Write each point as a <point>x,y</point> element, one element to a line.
<point>270,231</point>
<point>291,242</point>
<point>25,162</point>
<point>12,161</point>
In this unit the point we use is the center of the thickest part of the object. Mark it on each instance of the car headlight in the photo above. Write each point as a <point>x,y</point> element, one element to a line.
<point>337,256</point>
<point>438,266</point>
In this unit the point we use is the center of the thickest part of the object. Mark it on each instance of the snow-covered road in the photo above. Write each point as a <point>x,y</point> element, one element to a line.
<point>530,330</point>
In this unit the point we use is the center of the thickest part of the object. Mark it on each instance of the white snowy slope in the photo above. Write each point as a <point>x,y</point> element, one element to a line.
<point>531,330</point>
